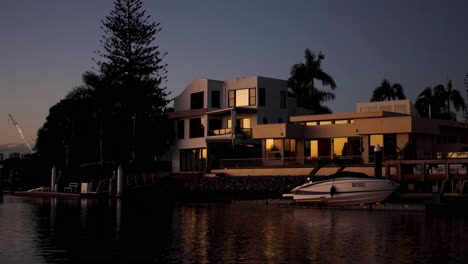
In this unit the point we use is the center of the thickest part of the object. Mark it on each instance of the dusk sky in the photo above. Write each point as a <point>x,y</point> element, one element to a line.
<point>47,45</point>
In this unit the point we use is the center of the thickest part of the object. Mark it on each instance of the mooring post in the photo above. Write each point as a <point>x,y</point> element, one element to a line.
<point>53,179</point>
<point>119,180</point>
<point>378,161</point>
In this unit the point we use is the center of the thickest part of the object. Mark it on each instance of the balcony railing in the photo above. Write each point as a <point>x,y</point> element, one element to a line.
<point>221,131</point>
<point>287,161</point>
<point>246,132</point>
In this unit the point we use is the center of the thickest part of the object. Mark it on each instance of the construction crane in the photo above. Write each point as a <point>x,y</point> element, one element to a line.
<point>21,133</point>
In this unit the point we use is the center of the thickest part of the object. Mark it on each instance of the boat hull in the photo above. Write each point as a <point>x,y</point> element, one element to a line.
<point>345,191</point>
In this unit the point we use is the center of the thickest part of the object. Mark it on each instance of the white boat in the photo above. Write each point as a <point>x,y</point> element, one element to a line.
<point>344,188</point>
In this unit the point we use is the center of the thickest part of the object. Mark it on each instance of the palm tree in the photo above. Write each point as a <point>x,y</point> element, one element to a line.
<point>454,97</point>
<point>388,91</point>
<point>302,82</point>
<point>426,104</point>
<point>438,99</point>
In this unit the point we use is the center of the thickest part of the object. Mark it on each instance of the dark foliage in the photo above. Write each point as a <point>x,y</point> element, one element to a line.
<point>388,91</point>
<point>302,83</point>
<point>119,113</point>
<point>438,101</point>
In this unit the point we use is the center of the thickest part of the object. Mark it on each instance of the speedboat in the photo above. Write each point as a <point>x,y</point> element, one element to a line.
<point>343,188</point>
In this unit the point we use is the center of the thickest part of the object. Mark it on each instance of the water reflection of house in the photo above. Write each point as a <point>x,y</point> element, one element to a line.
<point>270,130</point>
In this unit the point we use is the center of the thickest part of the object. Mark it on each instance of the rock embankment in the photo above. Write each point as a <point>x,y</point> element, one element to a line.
<point>246,186</point>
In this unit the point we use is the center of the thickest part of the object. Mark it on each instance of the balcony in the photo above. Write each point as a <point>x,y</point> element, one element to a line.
<point>220,131</point>
<point>245,133</point>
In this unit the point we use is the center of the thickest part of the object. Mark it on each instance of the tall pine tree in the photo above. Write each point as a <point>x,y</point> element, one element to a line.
<point>133,63</point>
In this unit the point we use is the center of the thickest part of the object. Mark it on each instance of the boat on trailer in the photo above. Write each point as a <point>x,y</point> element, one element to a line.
<point>343,188</point>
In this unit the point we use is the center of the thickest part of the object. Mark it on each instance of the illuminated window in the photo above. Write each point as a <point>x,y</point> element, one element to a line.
<point>273,144</point>
<point>376,139</point>
<point>232,98</point>
<point>373,141</point>
<point>289,147</point>
<point>325,123</point>
<point>340,146</point>
<point>311,123</point>
<point>273,148</point>
<point>252,97</point>
<point>316,148</point>
<point>339,122</point>
<point>241,97</point>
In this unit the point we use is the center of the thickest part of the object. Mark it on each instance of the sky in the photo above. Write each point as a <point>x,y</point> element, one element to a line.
<point>47,45</point>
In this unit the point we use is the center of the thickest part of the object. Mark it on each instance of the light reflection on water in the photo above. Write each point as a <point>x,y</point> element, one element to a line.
<point>51,230</point>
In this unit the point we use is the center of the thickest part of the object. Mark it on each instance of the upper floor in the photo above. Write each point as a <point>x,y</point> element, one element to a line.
<point>210,106</point>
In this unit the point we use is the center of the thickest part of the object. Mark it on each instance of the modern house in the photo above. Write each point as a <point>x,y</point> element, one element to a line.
<point>393,125</point>
<point>269,130</point>
<point>214,119</point>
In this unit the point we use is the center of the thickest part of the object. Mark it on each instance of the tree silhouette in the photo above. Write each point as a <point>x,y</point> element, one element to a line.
<point>95,90</point>
<point>119,112</point>
<point>134,64</point>
<point>302,82</point>
<point>453,97</point>
<point>388,91</point>
<point>438,100</point>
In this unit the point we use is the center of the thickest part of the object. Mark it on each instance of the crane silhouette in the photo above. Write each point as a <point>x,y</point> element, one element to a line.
<point>21,133</point>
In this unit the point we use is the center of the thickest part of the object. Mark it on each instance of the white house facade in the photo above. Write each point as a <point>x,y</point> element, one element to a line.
<point>215,119</point>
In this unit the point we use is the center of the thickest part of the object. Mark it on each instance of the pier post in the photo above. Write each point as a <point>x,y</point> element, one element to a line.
<point>53,179</point>
<point>378,161</point>
<point>119,181</point>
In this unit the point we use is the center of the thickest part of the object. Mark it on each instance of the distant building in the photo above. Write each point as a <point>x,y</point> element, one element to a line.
<point>214,119</point>
<point>6,149</point>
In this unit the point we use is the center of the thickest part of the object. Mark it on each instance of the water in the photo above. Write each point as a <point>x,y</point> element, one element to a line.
<point>51,230</point>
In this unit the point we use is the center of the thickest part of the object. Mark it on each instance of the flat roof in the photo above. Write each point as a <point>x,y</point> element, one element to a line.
<point>340,116</point>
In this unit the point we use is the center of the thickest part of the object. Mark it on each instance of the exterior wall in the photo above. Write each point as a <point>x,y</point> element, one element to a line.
<point>186,143</point>
<point>397,106</point>
<point>182,101</point>
<point>271,110</point>
<point>402,139</point>
<point>365,152</point>
<point>214,85</point>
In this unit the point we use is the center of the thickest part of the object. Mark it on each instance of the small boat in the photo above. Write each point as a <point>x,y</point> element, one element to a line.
<point>343,188</point>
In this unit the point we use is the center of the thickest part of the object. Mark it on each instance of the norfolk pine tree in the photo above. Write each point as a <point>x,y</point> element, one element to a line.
<point>133,63</point>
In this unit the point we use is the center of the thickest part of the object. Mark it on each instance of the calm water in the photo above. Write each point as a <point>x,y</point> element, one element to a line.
<point>48,230</point>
